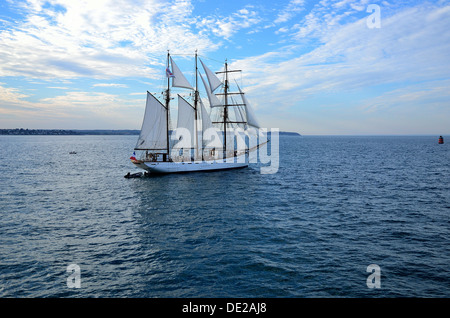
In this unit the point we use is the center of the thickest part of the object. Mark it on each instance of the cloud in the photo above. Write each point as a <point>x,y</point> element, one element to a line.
<point>225,27</point>
<point>326,16</point>
<point>428,95</point>
<point>412,45</point>
<point>74,106</point>
<point>97,39</point>
<point>350,60</point>
<point>281,30</point>
<point>110,85</point>
<point>291,10</point>
<point>10,94</point>
<point>328,51</point>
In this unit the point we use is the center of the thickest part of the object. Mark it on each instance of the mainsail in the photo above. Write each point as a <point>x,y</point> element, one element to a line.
<point>186,120</point>
<point>154,126</point>
<point>210,137</point>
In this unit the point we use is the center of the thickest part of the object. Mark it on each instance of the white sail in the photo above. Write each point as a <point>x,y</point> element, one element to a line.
<point>209,132</point>
<point>230,141</point>
<point>153,134</point>
<point>206,120</point>
<point>239,116</point>
<point>178,79</point>
<point>213,100</point>
<point>197,143</point>
<point>186,120</point>
<point>214,81</point>
<point>251,118</point>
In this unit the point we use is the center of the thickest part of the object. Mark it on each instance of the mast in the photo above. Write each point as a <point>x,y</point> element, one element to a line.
<point>167,106</point>
<point>225,112</point>
<point>225,108</point>
<point>196,108</point>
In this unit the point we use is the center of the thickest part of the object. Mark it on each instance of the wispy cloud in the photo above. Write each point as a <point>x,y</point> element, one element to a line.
<point>411,48</point>
<point>291,10</point>
<point>74,106</point>
<point>10,94</point>
<point>301,52</point>
<point>425,95</point>
<point>98,39</point>
<point>110,85</point>
<point>412,45</point>
<point>225,27</point>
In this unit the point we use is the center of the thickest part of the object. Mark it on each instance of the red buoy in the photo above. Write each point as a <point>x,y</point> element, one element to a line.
<point>441,140</point>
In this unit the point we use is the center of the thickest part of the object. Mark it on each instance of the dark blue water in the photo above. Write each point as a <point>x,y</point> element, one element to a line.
<point>336,205</point>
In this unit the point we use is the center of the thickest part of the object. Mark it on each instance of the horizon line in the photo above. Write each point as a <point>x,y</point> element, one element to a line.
<point>281,131</point>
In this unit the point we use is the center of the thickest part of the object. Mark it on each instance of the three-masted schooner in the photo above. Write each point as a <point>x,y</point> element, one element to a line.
<point>219,139</point>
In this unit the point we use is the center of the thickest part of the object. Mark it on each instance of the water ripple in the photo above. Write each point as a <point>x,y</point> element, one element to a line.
<point>336,205</point>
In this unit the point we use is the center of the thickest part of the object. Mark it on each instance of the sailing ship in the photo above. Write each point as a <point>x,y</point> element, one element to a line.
<point>217,136</point>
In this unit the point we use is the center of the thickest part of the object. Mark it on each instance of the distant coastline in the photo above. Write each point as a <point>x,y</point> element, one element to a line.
<point>21,131</point>
<point>64,132</point>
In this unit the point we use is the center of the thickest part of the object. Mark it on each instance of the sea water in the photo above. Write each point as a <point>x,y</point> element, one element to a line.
<point>338,207</point>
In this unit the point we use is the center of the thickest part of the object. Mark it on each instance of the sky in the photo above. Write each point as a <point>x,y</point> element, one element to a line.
<point>348,67</point>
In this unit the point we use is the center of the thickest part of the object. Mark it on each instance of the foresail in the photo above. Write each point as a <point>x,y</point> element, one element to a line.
<point>214,81</point>
<point>213,100</point>
<point>178,79</point>
<point>153,134</point>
